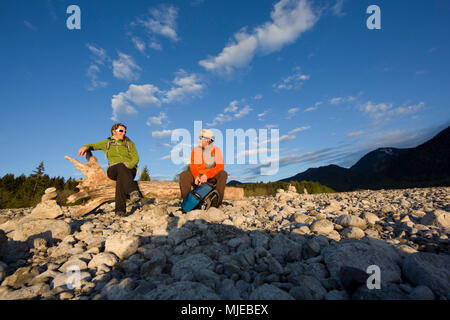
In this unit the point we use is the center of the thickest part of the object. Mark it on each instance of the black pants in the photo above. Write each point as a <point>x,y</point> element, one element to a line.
<point>187,181</point>
<point>125,184</point>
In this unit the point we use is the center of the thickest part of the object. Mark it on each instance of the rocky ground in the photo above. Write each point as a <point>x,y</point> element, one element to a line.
<point>287,246</point>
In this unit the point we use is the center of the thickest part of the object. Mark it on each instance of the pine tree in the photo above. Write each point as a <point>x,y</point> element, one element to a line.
<point>145,176</point>
<point>37,173</point>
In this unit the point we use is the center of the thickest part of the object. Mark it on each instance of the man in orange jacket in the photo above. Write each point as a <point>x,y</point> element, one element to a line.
<point>207,165</point>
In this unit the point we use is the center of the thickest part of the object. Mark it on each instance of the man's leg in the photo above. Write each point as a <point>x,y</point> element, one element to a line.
<point>221,181</point>
<point>186,182</point>
<point>124,178</point>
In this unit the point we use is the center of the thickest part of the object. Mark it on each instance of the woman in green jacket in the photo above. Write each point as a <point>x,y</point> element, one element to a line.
<point>122,158</point>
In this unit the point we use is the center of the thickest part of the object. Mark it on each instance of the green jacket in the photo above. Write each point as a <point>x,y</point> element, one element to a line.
<point>117,153</point>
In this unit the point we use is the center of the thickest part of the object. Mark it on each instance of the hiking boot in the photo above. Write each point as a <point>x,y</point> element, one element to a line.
<point>121,213</point>
<point>135,197</point>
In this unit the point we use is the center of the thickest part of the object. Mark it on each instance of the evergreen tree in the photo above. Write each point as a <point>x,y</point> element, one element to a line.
<point>145,176</point>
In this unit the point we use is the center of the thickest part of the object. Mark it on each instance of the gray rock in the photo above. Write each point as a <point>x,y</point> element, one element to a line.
<point>155,265</point>
<point>73,264</point>
<point>422,293</point>
<point>186,267</point>
<point>180,235</point>
<point>228,291</point>
<point>27,229</point>
<point>311,249</point>
<point>352,233</point>
<point>322,226</point>
<point>122,245</point>
<point>284,249</point>
<point>104,258</point>
<point>314,289</point>
<point>182,290</point>
<point>269,292</point>
<point>428,269</point>
<point>362,254</point>
<point>392,292</point>
<point>439,218</point>
<point>24,293</point>
<point>50,190</point>
<point>20,277</point>
<point>214,215</point>
<point>69,280</point>
<point>347,220</point>
<point>48,209</point>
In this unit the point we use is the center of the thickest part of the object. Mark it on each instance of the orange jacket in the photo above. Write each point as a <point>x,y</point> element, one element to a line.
<point>197,168</point>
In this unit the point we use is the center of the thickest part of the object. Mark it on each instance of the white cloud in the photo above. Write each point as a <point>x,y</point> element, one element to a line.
<point>289,19</point>
<point>143,94</point>
<point>313,107</point>
<point>161,134</point>
<point>232,107</point>
<point>139,44</point>
<point>98,54</point>
<point>231,112</point>
<point>137,94</point>
<point>165,157</point>
<point>29,25</point>
<point>293,81</point>
<point>355,134</point>
<point>337,8</point>
<point>120,105</point>
<point>158,120</point>
<point>338,100</point>
<point>292,112</point>
<point>148,94</point>
<point>258,97</point>
<point>125,68</point>
<point>185,84</point>
<point>299,129</point>
<point>243,112</point>
<point>92,72</point>
<point>161,21</point>
<point>262,114</point>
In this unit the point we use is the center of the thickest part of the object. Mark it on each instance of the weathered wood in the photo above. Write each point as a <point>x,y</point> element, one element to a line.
<point>97,188</point>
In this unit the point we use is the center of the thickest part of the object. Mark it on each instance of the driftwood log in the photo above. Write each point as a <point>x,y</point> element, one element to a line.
<point>97,188</point>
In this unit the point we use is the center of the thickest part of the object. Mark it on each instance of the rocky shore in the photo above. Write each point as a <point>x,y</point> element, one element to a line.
<point>287,246</point>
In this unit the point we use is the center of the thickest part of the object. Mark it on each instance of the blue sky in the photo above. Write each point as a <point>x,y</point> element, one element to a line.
<point>334,89</point>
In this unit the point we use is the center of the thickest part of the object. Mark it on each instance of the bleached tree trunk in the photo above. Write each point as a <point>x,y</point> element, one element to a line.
<point>97,188</point>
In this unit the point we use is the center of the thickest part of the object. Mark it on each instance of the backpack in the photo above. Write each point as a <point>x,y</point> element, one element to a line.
<point>200,198</point>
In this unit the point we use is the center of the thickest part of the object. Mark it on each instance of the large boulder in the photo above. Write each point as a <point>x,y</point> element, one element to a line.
<point>122,245</point>
<point>362,254</point>
<point>48,209</point>
<point>438,218</point>
<point>28,229</point>
<point>428,269</point>
<point>348,220</point>
<point>322,226</point>
<point>185,268</point>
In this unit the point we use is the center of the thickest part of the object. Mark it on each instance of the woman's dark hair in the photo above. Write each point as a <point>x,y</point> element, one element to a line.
<point>114,128</point>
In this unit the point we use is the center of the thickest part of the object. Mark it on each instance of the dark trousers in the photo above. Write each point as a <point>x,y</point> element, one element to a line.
<point>125,184</point>
<point>187,181</point>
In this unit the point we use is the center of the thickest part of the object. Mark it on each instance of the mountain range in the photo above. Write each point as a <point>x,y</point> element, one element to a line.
<point>426,165</point>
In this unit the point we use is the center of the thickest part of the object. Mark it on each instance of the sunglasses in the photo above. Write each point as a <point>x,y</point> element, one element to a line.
<point>121,130</point>
<point>204,138</point>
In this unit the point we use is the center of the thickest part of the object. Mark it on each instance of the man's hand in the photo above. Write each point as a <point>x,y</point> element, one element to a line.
<point>126,165</point>
<point>197,180</point>
<point>82,151</point>
<point>203,178</point>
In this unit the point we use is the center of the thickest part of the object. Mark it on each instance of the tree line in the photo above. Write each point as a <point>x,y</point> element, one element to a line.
<point>270,188</point>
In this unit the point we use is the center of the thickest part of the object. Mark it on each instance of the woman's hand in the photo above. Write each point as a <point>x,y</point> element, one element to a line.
<point>82,151</point>
<point>197,180</point>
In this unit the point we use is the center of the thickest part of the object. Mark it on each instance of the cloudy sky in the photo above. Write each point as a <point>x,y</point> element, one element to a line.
<point>333,88</point>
